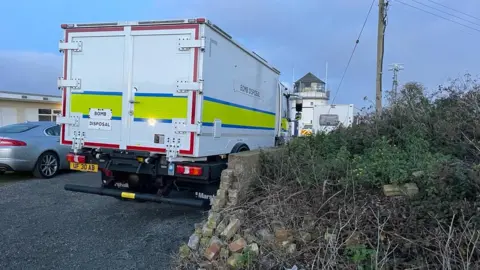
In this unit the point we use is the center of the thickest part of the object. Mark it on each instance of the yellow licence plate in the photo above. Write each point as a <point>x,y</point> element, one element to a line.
<point>84,167</point>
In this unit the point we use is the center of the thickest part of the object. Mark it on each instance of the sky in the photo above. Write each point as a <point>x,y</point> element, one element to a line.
<point>296,36</point>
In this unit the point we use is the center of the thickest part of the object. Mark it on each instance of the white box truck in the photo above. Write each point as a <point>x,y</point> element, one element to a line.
<point>329,117</point>
<point>156,104</point>
<point>326,118</point>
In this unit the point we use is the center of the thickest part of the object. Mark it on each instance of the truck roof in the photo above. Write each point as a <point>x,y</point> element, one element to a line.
<point>173,21</point>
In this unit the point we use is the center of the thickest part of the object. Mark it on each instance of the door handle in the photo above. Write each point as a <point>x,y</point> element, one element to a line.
<point>133,101</point>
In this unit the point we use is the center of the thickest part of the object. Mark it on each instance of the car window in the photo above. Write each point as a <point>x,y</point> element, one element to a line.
<point>53,131</point>
<point>17,128</point>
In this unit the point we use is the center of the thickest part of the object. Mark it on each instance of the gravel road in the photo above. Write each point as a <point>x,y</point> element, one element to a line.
<point>43,226</point>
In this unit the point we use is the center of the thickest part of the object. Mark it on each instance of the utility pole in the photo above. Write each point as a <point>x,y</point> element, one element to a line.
<point>382,23</point>
<point>395,68</point>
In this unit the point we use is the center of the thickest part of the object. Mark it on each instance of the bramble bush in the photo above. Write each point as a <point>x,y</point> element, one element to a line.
<point>336,179</point>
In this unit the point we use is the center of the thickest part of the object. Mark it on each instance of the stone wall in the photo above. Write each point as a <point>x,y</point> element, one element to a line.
<point>218,237</point>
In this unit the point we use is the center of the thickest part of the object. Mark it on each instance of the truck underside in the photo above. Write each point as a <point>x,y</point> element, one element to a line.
<point>141,176</point>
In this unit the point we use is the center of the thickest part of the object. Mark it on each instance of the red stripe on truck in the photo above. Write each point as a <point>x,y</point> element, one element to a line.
<point>194,97</point>
<point>142,148</point>
<point>167,27</point>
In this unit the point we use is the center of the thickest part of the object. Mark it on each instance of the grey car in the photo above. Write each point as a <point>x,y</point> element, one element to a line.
<point>32,146</point>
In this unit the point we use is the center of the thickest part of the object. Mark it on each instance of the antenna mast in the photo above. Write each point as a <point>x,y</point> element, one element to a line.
<point>396,67</point>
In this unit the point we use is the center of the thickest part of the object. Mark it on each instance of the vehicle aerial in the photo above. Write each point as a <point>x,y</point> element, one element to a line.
<point>158,106</point>
<point>32,146</point>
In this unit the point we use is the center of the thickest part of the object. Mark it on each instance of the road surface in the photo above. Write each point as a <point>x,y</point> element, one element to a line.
<point>44,227</point>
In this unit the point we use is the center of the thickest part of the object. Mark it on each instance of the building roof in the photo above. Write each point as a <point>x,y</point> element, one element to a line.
<point>309,78</point>
<point>29,97</point>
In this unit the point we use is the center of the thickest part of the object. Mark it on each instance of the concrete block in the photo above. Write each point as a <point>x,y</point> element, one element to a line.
<point>213,219</point>
<point>227,178</point>
<point>234,260</point>
<point>198,228</point>
<point>222,225</point>
<point>217,240</point>
<point>393,190</point>
<point>212,251</point>
<point>204,242</point>
<point>253,247</point>
<point>219,203</point>
<point>193,241</point>
<point>231,229</point>
<point>184,251</point>
<point>238,245</point>
<point>207,231</point>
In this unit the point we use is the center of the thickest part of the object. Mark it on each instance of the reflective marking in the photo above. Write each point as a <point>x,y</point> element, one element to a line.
<point>128,195</point>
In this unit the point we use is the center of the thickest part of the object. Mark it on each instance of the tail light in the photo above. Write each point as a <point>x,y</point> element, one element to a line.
<point>76,158</point>
<point>189,170</point>
<point>10,142</point>
<point>107,173</point>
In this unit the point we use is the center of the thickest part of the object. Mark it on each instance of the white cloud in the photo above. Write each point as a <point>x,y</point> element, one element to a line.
<point>32,72</point>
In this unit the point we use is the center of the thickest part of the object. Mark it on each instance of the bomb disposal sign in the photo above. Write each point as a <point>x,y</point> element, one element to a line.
<point>100,119</point>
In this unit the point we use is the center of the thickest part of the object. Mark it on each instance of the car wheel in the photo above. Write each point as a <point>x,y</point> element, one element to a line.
<point>47,165</point>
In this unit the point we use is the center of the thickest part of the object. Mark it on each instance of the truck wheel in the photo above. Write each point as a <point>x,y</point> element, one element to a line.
<point>240,147</point>
<point>47,165</point>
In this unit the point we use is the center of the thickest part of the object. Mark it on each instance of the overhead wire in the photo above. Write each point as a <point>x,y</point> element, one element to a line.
<point>456,10</point>
<point>450,14</point>
<point>434,14</point>
<point>353,51</point>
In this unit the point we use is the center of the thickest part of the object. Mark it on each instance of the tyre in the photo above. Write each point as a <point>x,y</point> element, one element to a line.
<point>240,147</point>
<point>47,165</point>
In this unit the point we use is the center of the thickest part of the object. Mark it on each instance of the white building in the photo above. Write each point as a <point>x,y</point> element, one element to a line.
<point>313,92</point>
<point>317,114</point>
<point>21,107</point>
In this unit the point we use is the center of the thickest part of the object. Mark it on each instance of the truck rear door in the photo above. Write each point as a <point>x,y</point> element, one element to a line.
<point>94,84</point>
<point>164,75</point>
<point>130,84</point>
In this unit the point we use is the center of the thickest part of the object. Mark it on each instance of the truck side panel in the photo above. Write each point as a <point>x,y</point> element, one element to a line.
<point>241,92</point>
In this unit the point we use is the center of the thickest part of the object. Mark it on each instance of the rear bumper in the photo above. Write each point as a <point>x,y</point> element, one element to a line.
<point>117,193</point>
<point>13,160</point>
<point>17,165</point>
<point>5,168</point>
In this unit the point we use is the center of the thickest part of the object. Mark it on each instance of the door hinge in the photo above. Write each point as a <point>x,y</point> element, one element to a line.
<point>72,120</point>
<point>184,44</point>
<point>180,126</point>
<point>73,83</point>
<point>76,46</point>
<point>184,87</point>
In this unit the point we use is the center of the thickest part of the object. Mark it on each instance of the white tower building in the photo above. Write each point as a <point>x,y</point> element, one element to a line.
<point>313,92</point>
